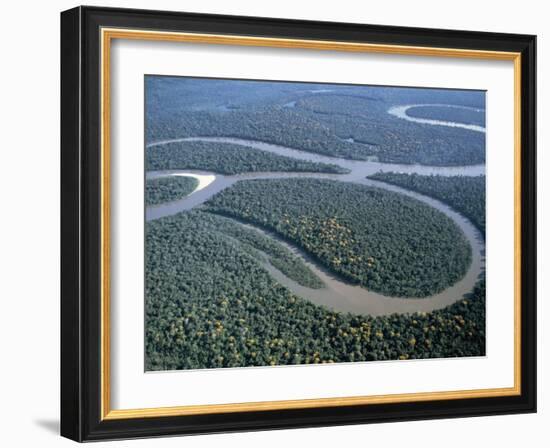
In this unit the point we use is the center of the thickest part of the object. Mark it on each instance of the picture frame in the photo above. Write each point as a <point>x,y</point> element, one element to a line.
<point>87,35</point>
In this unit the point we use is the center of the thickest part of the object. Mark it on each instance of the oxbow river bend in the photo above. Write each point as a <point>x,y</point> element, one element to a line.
<point>337,294</point>
<point>401,112</point>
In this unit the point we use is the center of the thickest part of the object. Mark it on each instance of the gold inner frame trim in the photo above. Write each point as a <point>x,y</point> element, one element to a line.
<point>107,35</point>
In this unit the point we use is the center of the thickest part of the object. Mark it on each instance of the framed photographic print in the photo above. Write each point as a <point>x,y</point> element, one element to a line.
<point>275,224</point>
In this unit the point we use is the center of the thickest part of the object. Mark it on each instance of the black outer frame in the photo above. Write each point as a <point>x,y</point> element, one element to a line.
<point>80,224</point>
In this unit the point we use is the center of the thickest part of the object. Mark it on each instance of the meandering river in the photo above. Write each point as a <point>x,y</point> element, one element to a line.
<point>358,168</point>
<point>401,112</point>
<point>337,294</point>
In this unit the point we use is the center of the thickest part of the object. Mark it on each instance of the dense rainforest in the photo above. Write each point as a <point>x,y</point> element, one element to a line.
<point>211,295</point>
<point>210,303</point>
<point>392,139</point>
<point>166,95</point>
<point>466,194</point>
<point>167,189</point>
<point>227,158</point>
<point>262,247</point>
<point>336,120</point>
<point>384,241</point>
<point>271,124</point>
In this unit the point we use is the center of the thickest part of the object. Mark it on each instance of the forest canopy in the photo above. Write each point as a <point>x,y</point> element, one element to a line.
<point>215,275</point>
<point>167,189</point>
<point>392,139</point>
<point>466,194</point>
<point>335,120</point>
<point>210,303</point>
<point>381,240</point>
<point>227,158</point>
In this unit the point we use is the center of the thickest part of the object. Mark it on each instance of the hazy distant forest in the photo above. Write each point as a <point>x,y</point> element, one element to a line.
<point>294,223</point>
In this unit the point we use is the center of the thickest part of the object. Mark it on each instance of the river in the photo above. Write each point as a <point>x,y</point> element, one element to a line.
<point>337,294</point>
<point>401,112</point>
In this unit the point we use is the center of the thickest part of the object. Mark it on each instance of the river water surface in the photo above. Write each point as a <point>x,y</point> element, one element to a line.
<point>401,112</point>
